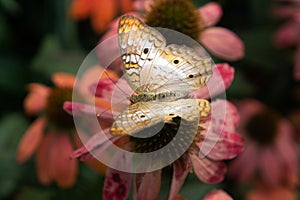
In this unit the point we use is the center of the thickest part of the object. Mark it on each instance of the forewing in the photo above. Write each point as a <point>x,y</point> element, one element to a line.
<point>139,46</point>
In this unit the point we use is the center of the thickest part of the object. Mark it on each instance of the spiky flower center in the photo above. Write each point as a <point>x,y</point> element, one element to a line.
<point>54,108</point>
<point>263,127</point>
<point>175,138</point>
<point>179,15</point>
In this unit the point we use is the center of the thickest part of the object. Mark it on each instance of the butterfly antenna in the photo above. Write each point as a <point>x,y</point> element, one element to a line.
<point>108,115</point>
<point>115,84</point>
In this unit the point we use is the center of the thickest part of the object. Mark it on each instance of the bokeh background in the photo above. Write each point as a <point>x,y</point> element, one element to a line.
<point>39,38</point>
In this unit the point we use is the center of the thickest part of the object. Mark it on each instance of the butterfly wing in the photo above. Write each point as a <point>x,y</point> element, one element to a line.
<point>181,69</point>
<point>139,46</point>
<point>142,115</point>
<point>151,66</point>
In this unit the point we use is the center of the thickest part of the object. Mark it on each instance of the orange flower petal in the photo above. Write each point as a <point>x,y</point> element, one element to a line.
<point>31,140</point>
<point>126,6</point>
<point>103,12</point>
<point>43,159</point>
<point>97,166</point>
<point>64,169</point>
<point>36,99</point>
<point>80,9</point>
<point>63,80</point>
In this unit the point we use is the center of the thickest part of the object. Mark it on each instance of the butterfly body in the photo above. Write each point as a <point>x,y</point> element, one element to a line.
<point>162,76</point>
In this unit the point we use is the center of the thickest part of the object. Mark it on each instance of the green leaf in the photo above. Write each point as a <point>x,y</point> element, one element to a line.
<point>29,193</point>
<point>5,32</point>
<point>12,128</point>
<point>259,48</point>
<point>240,87</point>
<point>260,11</point>
<point>10,5</point>
<point>12,74</point>
<point>194,189</point>
<point>53,58</point>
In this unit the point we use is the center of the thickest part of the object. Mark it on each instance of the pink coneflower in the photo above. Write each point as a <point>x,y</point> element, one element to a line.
<point>208,166</point>
<point>288,34</point>
<point>198,24</point>
<point>270,153</point>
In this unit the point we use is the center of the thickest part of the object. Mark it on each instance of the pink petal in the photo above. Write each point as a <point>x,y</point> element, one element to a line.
<point>221,79</point>
<point>288,153</point>
<point>285,11</point>
<point>227,146</point>
<point>210,13</point>
<point>287,35</point>
<point>147,185</point>
<point>223,119</point>
<point>223,43</point>
<point>63,80</point>
<point>180,172</point>
<point>116,185</point>
<point>31,139</point>
<point>95,145</point>
<point>270,166</point>
<point>64,169</point>
<point>112,89</point>
<point>92,75</point>
<point>36,99</point>
<point>217,195</point>
<point>247,108</point>
<point>80,109</point>
<point>142,5</point>
<point>242,162</point>
<point>207,170</point>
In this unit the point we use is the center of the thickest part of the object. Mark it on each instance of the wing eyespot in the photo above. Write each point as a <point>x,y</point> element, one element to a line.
<point>146,50</point>
<point>191,76</point>
<point>176,61</point>
<point>142,116</point>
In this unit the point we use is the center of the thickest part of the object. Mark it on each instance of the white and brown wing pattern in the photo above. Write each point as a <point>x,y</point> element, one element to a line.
<point>139,46</point>
<point>141,115</point>
<point>151,66</point>
<point>181,70</point>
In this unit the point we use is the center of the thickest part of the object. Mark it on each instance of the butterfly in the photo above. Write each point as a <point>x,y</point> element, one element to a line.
<point>161,75</point>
